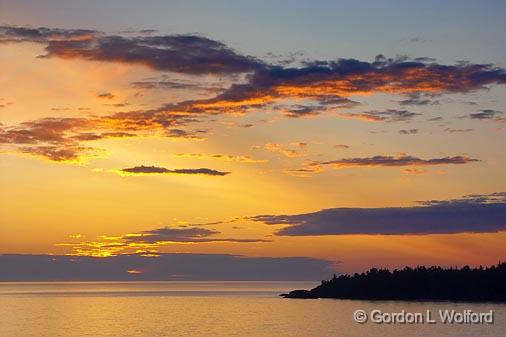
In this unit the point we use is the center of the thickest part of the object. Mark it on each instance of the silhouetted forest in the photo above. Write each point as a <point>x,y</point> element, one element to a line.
<point>420,283</point>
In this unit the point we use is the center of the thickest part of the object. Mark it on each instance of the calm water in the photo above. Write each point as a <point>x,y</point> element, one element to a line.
<point>152,309</point>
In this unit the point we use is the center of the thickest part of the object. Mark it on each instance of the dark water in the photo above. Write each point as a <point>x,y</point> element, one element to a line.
<point>151,309</point>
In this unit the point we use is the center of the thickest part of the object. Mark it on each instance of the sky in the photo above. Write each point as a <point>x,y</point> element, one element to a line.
<point>345,134</point>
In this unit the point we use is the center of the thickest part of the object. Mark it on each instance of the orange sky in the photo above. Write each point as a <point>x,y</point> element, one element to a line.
<point>66,192</point>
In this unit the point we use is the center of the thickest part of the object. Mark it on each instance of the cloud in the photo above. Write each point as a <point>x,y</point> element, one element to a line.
<point>190,234</point>
<point>321,105</point>
<point>9,34</point>
<point>159,267</point>
<point>151,241</point>
<point>341,146</point>
<point>302,111</point>
<point>408,132</point>
<point>42,130</point>
<point>486,114</point>
<point>414,170</point>
<point>69,154</point>
<point>390,115</point>
<point>302,172</point>
<point>4,103</point>
<point>105,95</point>
<point>290,153</point>
<point>187,54</point>
<point>391,161</point>
<point>191,54</point>
<point>419,99</point>
<point>154,170</point>
<point>166,83</point>
<point>180,133</point>
<point>450,130</point>
<point>305,90</point>
<point>482,214</point>
<point>88,136</point>
<point>435,119</point>
<point>224,157</point>
<point>60,135</point>
<point>492,198</point>
<point>346,77</point>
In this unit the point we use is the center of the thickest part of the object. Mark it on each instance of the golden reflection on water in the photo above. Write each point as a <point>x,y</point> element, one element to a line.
<point>151,309</point>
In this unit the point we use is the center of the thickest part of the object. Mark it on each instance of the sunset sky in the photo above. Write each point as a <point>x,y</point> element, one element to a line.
<point>361,133</point>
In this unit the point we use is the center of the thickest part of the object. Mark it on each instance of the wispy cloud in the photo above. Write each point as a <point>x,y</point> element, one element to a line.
<point>223,157</point>
<point>420,99</point>
<point>150,241</point>
<point>298,151</point>
<point>390,115</point>
<point>408,131</point>
<point>191,234</point>
<point>105,95</point>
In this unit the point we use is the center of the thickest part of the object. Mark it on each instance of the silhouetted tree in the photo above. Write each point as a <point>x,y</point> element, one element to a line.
<point>420,283</point>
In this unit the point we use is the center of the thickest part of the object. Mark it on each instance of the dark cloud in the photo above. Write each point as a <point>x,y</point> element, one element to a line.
<point>302,111</point>
<point>391,161</point>
<point>160,267</point>
<point>162,170</point>
<point>435,119</point>
<point>151,241</point>
<point>322,104</point>
<point>170,84</point>
<point>301,172</point>
<point>418,98</point>
<point>336,101</point>
<point>188,134</point>
<point>479,214</point>
<point>390,115</point>
<point>43,34</point>
<point>188,54</point>
<point>106,95</point>
<point>118,105</point>
<point>49,130</point>
<point>87,136</point>
<point>316,86</point>
<point>60,153</point>
<point>65,135</point>
<point>188,234</point>
<point>492,198</point>
<point>204,171</point>
<point>450,130</point>
<point>408,132</point>
<point>485,114</point>
<point>193,54</point>
<point>346,77</point>
<point>141,31</point>
<point>246,126</point>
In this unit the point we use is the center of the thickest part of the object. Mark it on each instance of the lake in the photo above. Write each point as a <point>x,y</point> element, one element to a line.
<point>152,309</point>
